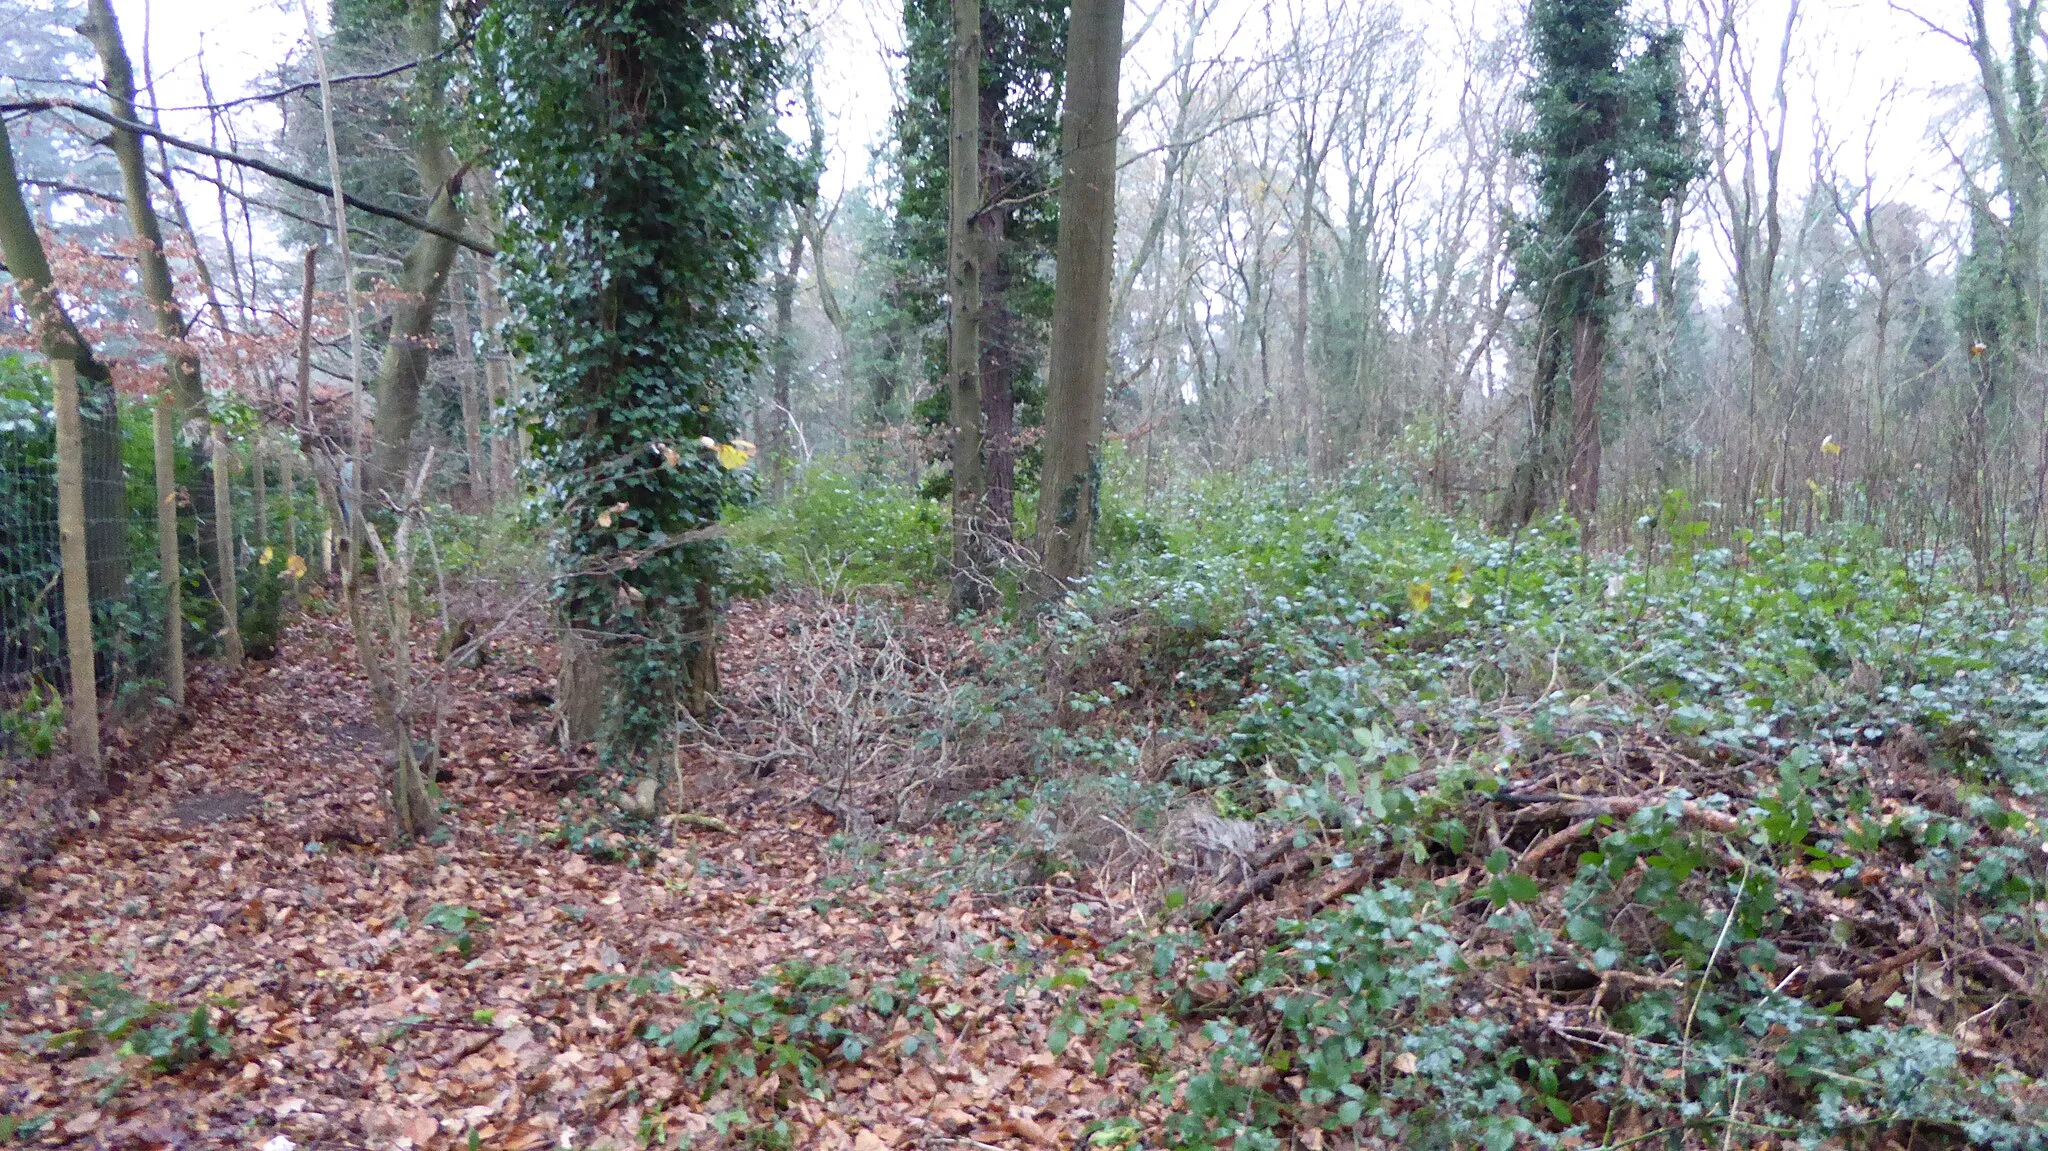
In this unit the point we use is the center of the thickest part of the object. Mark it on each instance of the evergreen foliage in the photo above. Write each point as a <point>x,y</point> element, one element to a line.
<point>639,168</point>
<point>1609,147</point>
<point>1023,68</point>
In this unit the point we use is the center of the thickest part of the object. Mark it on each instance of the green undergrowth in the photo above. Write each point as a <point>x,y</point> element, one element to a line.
<point>836,531</point>
<point>1797,728</point>
<point>1701,846</point>
<point>127,1035</point>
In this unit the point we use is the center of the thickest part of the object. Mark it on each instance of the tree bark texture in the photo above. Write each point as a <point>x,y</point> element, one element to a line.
<point>998,328</point>
<point>165,429</point>
<point>470,386</point>
<point>964,263</point>
<point>497,384</point>
<point>225,591</point>
<point>1077,379</point>
<point>403,371</point>
<point>302,411</point>
<point>85,708</point>
<point>259,493</point>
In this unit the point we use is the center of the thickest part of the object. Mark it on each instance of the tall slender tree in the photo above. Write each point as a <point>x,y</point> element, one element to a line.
<point>402,372</point>
<point>965,249</point>
<point>1999,286</point>
<point>1018,88</point>
<point>1077,381</point>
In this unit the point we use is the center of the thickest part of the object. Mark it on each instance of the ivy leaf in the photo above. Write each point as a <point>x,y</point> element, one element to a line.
<point>1513,887</point>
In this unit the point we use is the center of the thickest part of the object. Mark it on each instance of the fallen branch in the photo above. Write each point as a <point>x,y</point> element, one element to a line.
<point>1618,806</point>
<point>1260,884</point>
<point>1999,967</point>
<point>1549,844</point>
<point>1891,963</point>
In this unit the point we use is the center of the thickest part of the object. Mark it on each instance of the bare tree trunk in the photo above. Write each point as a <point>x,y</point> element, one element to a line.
<point>411,815</point>
<point>998,385</point>
<point>782,364</point>
<point>259,492</point>
<point>1077,380</point>
<point>330,503</point>
<point>302,413</point>
<point>1306,399</point>
<point>470,387</point>
<point>288,490</point>
<point>152,268</point>
<point>504,442</point>
<point>964,259</point>
<point>85,708</point>
<point>403,371</point>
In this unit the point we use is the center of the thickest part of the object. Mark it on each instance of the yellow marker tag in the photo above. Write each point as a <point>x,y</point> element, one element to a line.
<point>1419,596</point>
<point>267,553</point>
<point>295,567</point>
<point>732,456</point>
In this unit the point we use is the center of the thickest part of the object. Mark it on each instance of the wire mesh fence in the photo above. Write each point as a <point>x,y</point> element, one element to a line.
<point>124,574</point>
<point>30,568</point>
<point>127,618</point>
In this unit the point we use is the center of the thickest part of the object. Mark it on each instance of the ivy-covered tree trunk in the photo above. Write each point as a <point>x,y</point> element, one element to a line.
<point>640,171</point>
<point>1536,480</point>
<point>1610,149</point>
<point>1999,290</point>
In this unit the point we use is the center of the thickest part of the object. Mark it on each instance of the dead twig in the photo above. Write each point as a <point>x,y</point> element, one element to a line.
<point>1260,884</point>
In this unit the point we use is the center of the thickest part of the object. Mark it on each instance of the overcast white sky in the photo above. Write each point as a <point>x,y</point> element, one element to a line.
<point>1876,76</point>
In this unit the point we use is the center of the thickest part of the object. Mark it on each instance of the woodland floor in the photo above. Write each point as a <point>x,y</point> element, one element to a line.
<point>251,864</point>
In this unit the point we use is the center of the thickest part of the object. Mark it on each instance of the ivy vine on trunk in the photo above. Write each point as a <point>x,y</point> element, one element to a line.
<point>640,166</point>
<point>1611,143</point>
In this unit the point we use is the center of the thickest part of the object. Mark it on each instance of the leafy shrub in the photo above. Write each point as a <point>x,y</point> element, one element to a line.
<point>115,1017</point>
<point>1371,678</point>
<point>836,531</point>
<point>457,923</point>
<point>32,724</point>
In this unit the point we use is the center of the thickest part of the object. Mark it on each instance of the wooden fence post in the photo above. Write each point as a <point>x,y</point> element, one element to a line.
<point>288,487</point>
<point>85,704</point>
<point>259,490</point>
<point>167,546</point>
<point>224,537</point>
